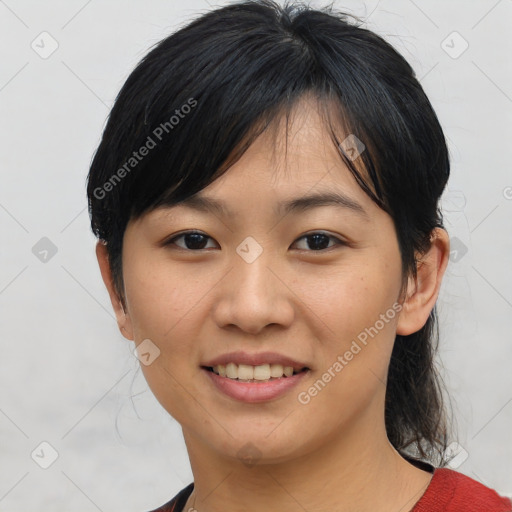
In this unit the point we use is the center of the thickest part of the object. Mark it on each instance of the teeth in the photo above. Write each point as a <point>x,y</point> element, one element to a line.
<point>248,372</point>
<point>245,372</point>
<point>261,372</point>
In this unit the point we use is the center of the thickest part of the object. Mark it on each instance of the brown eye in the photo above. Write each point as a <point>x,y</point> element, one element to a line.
<point>193,241</point>
<point>197,241</point>
<point>319,241</point>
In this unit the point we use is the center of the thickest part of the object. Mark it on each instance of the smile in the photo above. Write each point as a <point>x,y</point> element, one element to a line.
<point>246,372</point>
<point>254,384</point>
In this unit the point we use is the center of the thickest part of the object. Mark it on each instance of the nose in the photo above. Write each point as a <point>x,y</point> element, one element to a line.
<point>254,295</point>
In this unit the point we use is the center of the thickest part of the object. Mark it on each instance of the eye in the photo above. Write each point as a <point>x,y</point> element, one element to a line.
<point>319,241</point>
<point>196,241</point>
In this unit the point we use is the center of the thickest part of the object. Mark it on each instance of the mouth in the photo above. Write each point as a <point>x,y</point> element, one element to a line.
<point>255,374</point>
<point>250,384</point>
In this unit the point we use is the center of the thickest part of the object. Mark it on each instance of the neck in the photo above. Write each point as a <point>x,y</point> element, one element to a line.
<point>358,470</point>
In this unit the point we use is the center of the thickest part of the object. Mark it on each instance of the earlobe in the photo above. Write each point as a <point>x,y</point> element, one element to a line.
<point>122,317</point>
<point>422,292</point>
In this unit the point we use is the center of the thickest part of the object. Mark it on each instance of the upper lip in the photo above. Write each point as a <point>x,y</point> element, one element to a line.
<point>258,359</point>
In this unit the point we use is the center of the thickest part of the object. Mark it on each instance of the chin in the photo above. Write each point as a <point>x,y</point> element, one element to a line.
<point>258,444</point>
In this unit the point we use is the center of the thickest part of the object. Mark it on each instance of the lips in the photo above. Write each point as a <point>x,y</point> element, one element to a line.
<point>256,359</point>
<point>255,392</point>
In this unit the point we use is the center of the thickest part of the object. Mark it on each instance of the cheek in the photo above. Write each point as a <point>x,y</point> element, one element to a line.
<point>358,309</point>
<point>351,297</point>
<point>163,309</point>
<point>356,339</point>
<point>160,299</point>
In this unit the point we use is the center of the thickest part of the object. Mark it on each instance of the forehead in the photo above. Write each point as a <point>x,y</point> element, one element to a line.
<point>302,149</point>
<point>291,168</point>
<point>294,156</point>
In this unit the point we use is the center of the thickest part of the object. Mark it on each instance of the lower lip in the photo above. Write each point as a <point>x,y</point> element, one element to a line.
<point>253,392</point>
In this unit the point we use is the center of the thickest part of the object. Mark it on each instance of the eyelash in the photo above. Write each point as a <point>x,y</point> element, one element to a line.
<point>172,240</point>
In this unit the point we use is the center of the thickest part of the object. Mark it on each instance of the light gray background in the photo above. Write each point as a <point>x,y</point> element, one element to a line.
<point>69,378</point>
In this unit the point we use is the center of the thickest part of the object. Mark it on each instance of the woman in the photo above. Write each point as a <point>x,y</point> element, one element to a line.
<point>265,196</point>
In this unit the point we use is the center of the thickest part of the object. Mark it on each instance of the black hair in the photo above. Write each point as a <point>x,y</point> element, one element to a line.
<point>201,96</point>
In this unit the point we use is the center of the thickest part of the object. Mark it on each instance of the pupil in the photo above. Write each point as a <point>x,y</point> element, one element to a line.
<point>195,241</point>
<point>317,238</point>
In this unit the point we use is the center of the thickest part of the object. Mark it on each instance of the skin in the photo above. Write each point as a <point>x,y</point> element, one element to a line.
<point>333,453</point>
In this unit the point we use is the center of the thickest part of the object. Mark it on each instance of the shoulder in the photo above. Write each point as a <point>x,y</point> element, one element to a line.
<point>450,491</point>
<point>178,502</point>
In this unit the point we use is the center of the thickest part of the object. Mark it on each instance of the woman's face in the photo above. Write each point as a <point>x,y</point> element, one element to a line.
<point>255,282</point>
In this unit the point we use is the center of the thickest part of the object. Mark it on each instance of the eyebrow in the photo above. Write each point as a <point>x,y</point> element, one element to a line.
<point>301,204</point>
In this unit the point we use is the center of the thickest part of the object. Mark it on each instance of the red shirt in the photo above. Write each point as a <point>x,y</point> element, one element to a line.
<point>449,491</point>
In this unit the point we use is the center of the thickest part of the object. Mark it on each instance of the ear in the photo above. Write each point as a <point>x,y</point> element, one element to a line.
<point>422,293</point>
<point>123,318</point>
